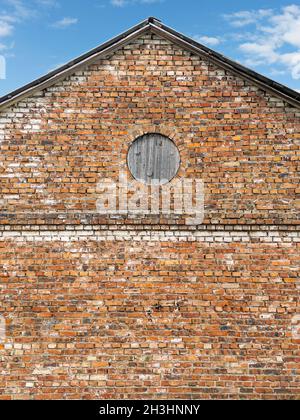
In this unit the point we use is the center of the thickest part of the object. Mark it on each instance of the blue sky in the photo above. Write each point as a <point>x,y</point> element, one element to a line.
<point>37,36</point>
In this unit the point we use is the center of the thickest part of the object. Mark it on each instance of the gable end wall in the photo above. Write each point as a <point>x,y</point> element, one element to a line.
<point>150,307</point>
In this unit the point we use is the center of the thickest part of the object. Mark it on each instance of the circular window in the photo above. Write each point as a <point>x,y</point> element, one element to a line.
<point>153,159</point>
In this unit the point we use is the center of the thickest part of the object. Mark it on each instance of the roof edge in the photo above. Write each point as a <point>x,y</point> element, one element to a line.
<point>71,66</point>
<point>264,82</point>
<point>287,94</point>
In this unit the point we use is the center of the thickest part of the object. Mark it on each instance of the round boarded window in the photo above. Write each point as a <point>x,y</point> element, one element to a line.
<point>153,159</point>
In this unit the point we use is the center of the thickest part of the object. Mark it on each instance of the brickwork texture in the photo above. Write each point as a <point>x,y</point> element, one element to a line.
<point>146,306</point>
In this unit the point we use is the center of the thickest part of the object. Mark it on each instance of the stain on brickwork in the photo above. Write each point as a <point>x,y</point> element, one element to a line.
<point>242,142</point>
<point>147,307</point>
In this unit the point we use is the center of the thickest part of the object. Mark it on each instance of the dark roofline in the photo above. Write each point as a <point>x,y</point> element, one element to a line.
<point>158,27</point>
<point>73,62</point>
<point>235,65</point>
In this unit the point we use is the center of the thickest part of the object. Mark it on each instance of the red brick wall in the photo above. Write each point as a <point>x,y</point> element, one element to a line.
<point>154,319</point>
<point>99,307</point>
<point>242,142</point>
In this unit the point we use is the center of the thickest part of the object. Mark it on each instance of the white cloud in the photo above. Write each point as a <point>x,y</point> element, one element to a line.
<point>3,47</point>
<point>292,61</point>
<point>65,22</point>
<point>16,12</point>
<point>6,28</point>
<point>275,39</point>
<point>260,51</point>
<point>285,27</point>
<point>246,17</point>
<point>119,3</point>
<point>122,3</point>
<point>20,10</point>
<point>207,40</point>
<point>47,3</point>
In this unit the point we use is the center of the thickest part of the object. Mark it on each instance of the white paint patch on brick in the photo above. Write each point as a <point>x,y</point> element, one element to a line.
<point>229,260</point>
<point>43,371</point>
<point>49,202</point>
<point>112,70</point>
<point>271,238</point>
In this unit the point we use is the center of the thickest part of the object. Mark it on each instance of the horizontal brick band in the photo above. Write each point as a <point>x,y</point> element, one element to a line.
<point>148,235</point>
<point>140,227</point>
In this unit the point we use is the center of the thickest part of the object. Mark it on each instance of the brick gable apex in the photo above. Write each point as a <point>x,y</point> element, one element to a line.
<point>155,26</point>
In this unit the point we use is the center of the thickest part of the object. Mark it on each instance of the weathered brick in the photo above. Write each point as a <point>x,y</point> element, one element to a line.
<point>148,306</point>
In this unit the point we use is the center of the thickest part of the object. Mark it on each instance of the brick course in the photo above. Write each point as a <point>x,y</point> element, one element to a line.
<point>146,306</point>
